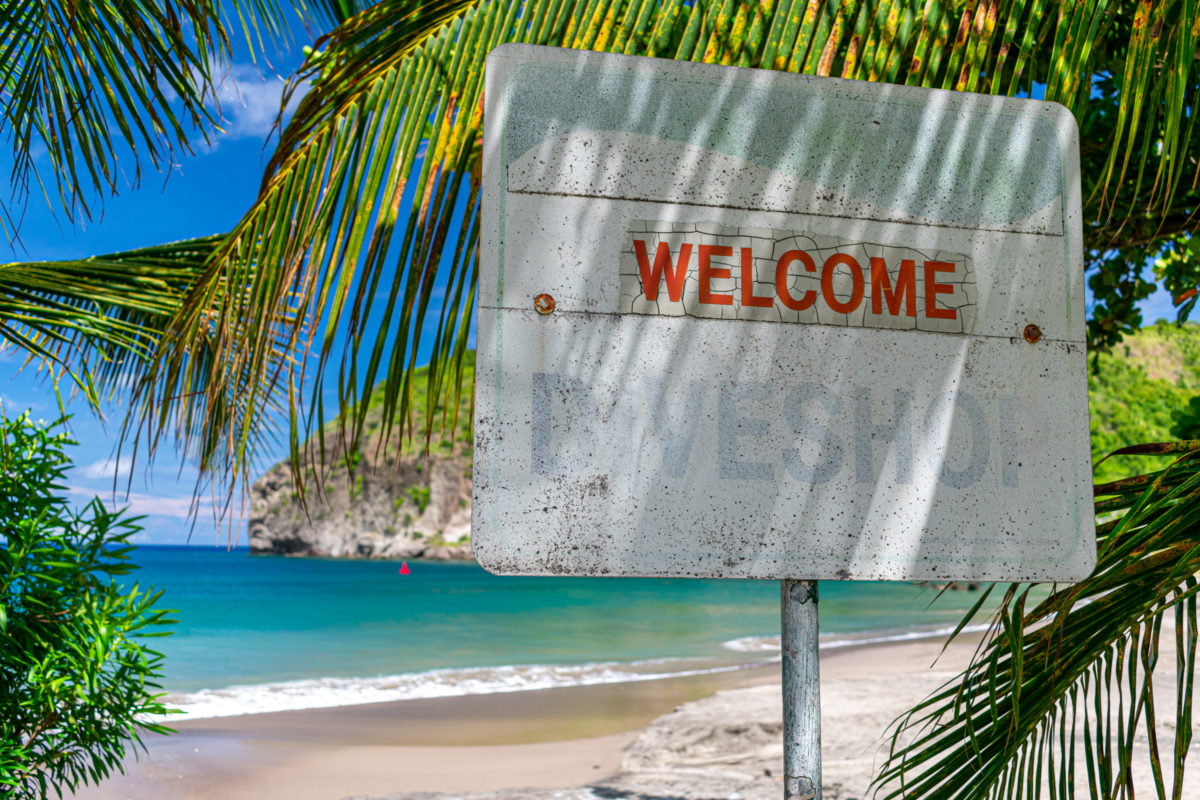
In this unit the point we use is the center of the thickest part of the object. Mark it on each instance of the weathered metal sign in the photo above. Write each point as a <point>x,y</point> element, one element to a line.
<point>737,323</point>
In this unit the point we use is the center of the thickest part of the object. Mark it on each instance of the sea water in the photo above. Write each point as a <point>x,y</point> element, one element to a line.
<point>267,633</point>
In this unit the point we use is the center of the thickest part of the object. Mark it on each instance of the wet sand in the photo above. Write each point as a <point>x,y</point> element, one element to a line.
<point>550,737</point>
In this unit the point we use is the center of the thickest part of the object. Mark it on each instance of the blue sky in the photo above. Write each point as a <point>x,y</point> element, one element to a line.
<point>203,193</point>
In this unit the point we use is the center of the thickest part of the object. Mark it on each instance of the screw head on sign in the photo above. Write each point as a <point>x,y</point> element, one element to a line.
<point>544,303</point>
<point>1032,333</point>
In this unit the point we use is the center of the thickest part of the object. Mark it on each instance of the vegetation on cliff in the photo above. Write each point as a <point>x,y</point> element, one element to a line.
<point>1145,390</point>
<point>387,497</point>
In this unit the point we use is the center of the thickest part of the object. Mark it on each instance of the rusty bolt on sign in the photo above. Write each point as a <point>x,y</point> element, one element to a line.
<point>544,303</point>
<point>1032,333</point>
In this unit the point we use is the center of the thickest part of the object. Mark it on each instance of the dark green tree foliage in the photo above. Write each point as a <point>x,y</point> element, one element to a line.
<point>1187,421</point>
<point>1138,393</point>
<point>74,674</point>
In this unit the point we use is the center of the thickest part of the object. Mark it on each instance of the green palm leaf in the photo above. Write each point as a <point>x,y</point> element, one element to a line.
<point>84,80</point>
<point>98,319</point>
<point>104,86</point>
<point>395,108</point>
<point>1053,702</point>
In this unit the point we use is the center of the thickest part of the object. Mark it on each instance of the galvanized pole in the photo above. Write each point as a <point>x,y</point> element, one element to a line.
<point>801,692</point>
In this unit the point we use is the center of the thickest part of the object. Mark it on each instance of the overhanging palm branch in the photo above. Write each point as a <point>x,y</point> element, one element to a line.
<point>87,80</point>
<point>1052,703</point>
<point>104,86</point>
<point>166,397</point>
<point>396,109</point>
<point>98,319</point>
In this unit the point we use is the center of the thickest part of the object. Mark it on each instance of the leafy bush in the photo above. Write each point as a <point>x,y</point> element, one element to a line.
<point>75,679</point>
<point>1139,392</point>
<point>420,496</point>
<point>1187,421</point>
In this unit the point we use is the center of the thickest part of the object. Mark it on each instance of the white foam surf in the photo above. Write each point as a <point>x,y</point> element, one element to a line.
<point>770,644</point>
<point>331,692</point>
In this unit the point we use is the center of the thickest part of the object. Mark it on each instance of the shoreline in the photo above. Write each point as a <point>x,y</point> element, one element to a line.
<point>558,737</point>
<point>747,653</point>
<point>702,736</point>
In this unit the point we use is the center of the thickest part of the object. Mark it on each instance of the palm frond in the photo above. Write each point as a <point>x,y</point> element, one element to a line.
<point>395,112</point>
<point>335,12</point>
<point>98,319</point>
<point>1054,701</point>
<point>269,22</point>
<point>104,88</point>
<point>100,322</point>
<point>164,397</point>
<point>89,82</point>
<point>356,156</point>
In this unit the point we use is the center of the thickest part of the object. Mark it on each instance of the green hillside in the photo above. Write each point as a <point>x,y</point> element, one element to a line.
<point>1141,392</point>
<point>413,440</point>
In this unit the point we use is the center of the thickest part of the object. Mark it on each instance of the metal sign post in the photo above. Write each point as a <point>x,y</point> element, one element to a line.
<point>801,691</point>
<point>744,324</point>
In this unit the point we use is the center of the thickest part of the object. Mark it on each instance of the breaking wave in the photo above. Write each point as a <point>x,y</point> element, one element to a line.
<point>770,644</point>
<point>331,692</point>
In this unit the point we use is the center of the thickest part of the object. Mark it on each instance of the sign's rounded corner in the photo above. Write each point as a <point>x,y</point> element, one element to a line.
<point>1085,567</point>
<point>484,559</point>
<point>1064,119</point>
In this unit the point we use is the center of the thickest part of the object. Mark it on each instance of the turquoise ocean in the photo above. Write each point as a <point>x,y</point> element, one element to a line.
<point>264,633</point>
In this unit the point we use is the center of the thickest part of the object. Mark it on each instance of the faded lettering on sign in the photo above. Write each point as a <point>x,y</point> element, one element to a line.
<point>709,270</point>
<point>858,434</point>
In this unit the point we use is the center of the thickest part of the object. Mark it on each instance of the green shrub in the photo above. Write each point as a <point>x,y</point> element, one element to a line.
<point>1187,420</point>
<point>76,680</point>
<point>420,496</point>
<point>1142,392</point>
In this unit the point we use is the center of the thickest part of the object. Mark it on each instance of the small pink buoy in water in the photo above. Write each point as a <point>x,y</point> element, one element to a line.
<point>404,568</point>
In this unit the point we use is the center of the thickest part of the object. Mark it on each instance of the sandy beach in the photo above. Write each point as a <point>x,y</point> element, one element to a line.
<point>701,736</point>
<point>550,737</point>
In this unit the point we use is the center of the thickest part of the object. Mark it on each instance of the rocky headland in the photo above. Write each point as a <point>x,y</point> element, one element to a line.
<point>389,498</point>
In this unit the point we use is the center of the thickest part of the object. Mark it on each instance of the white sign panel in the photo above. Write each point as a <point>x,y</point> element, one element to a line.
<point>737,323</point>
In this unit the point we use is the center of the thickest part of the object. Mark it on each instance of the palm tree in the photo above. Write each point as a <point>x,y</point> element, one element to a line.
<point>330,261</point>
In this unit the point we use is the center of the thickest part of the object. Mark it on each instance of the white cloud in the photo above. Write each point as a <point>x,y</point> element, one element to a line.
<point>107,468</point>
<point>249,101</point>
<point>13,406</point>
<point>139,504</point>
